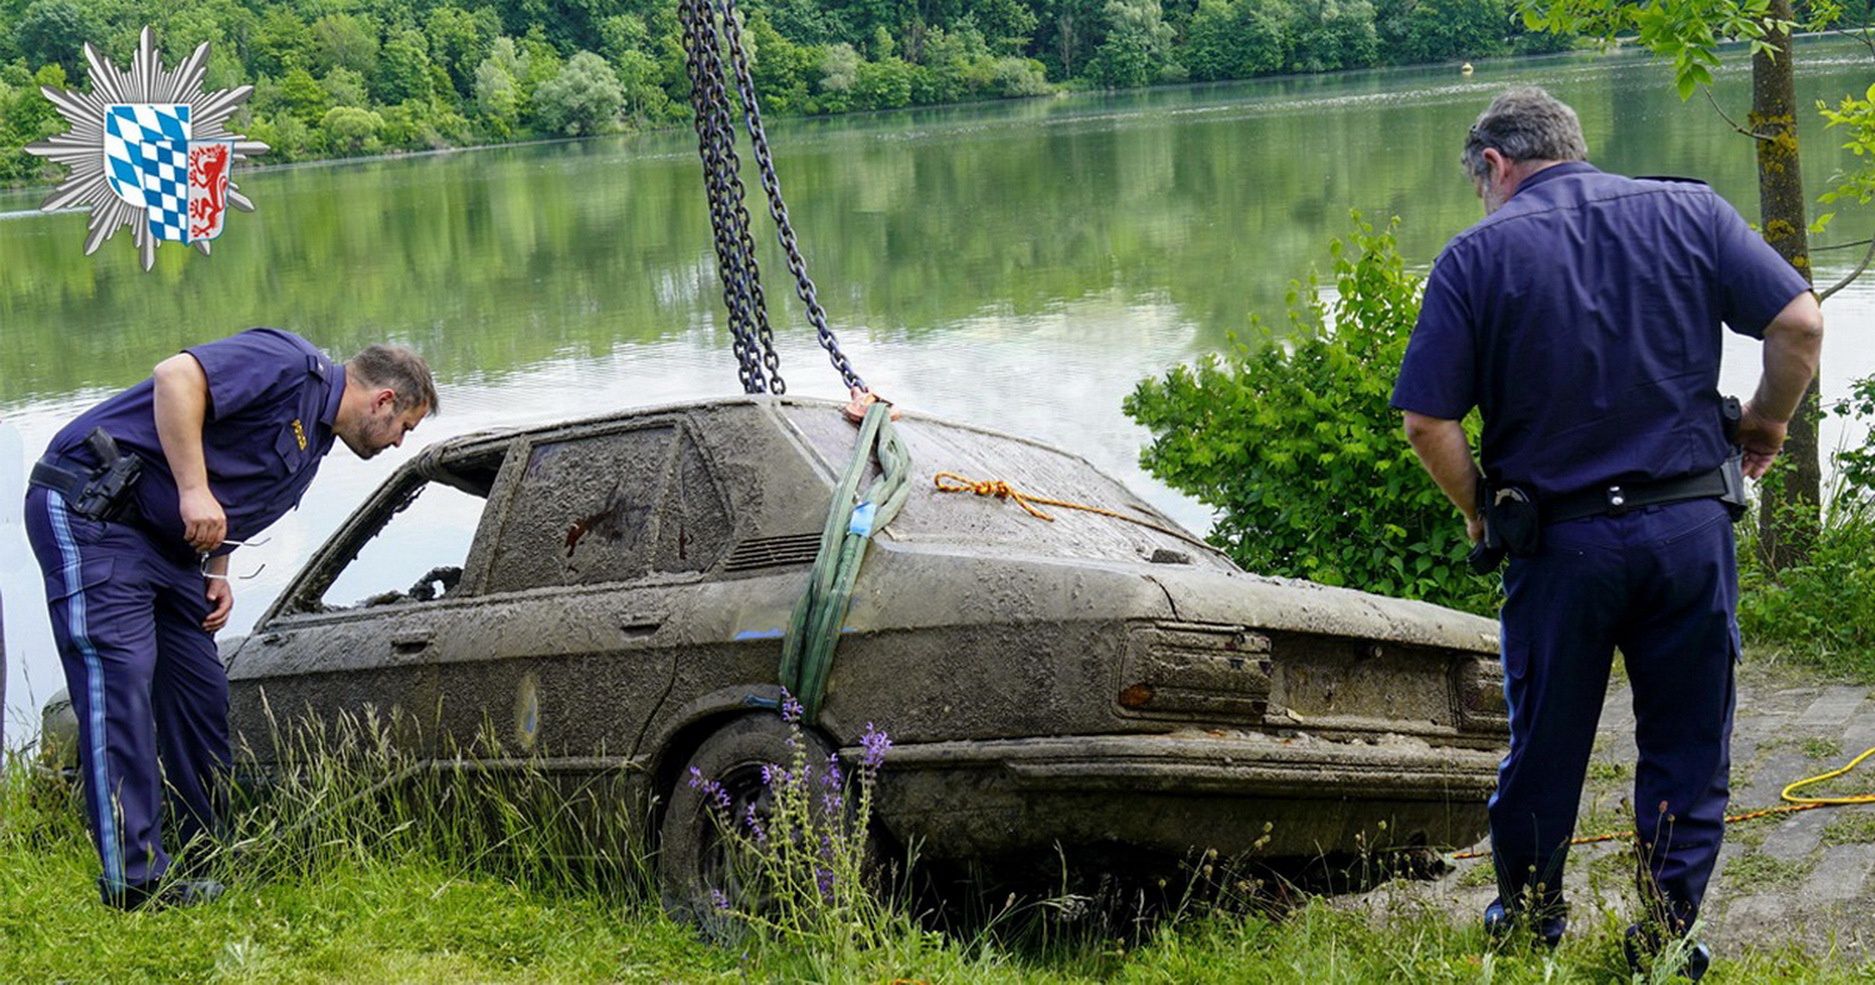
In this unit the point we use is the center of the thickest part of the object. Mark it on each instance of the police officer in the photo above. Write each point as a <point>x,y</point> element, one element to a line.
<point>1582,318</point>
<point>130,513</point>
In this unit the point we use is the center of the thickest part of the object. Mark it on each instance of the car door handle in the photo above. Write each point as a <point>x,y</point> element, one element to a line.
<point>412,640</point>
<point>641,625</point>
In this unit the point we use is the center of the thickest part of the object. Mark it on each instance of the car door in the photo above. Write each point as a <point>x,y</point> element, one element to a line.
<point>354,635</point>
<point>576,628</point>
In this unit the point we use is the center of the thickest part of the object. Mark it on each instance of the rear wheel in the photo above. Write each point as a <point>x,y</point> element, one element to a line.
<point>695,861</point>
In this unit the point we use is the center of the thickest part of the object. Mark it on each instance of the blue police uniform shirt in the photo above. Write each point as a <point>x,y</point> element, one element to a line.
<point>273,399</point>
<point>1583,319</point>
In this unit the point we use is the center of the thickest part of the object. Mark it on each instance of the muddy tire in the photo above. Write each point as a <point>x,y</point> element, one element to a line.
<point>693,858</point>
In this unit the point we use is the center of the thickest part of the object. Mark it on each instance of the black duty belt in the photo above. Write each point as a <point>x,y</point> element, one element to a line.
<point>100,493</point>
<point>1615,500</point>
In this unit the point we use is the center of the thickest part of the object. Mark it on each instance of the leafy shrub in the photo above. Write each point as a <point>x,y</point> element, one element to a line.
<point>1294,443</point>
<point>1822,610</point>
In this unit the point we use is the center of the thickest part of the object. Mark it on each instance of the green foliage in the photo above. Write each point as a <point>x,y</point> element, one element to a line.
<point>403,70</point>
<point>1438,30</point>
<point>1857,118</point>
<point>463,71</point>
<point>1235,39</point>
<point>55,31</point>
<point>349,130</point>
<point>1137,46</point>
<point>1822,611</point>
<point>1687,33</point>
<point>1293,441</point>
<point>584,98</point>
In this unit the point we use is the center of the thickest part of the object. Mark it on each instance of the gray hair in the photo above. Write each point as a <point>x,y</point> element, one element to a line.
<point>401,370</point>
<point>1524,124</point>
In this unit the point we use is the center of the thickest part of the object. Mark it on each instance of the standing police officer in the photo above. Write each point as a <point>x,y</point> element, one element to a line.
<point>1582,318</point>
<point>128,513</point>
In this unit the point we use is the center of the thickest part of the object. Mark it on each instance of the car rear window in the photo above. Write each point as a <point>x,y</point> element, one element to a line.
<point>1028,467</point>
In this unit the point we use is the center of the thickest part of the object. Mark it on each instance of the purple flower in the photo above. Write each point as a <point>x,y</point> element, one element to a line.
<point>832,778</point>
<point>875,743</point>
<point>754,824</point>
<point>824,879</point>
<point>711,790</point>
<point>720,901</point>
<point>774,777</point>
<point>790,708</point>
<point>832,803</point>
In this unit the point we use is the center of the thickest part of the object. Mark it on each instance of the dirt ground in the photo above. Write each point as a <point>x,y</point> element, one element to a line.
<point>1807,876</point>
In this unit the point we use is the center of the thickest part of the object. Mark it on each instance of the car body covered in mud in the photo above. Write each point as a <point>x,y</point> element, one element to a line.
<point>1077,682</point>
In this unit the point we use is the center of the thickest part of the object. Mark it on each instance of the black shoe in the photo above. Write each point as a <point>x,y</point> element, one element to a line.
<point>1549,928</point>
<point>1642,946</point>
<point>184,892</point>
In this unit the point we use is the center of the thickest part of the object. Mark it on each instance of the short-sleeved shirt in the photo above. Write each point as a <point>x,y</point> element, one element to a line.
<point>1583,319</point>
<point>272,401</point>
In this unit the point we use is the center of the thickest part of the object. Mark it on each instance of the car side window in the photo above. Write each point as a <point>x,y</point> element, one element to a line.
<point>584,511</point>
<point>414,554</point>
<point>694,527</point>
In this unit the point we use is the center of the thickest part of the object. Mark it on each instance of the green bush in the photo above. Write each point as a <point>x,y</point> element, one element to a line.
<point>1293,441</point>
<point>1822,611</point>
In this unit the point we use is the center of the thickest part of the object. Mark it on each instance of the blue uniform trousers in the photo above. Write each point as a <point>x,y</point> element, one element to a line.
<point>145,683</point>
<point>1661,584</point>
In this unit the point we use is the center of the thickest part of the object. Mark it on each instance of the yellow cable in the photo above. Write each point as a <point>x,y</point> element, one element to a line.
<point>1861,798</point>
<point>1796,803</point>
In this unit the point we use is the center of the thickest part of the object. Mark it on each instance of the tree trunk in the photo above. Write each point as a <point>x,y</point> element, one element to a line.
<point>1790,511</point>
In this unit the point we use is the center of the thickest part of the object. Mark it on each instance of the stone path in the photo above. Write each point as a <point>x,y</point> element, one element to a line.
<point>1807,877</point>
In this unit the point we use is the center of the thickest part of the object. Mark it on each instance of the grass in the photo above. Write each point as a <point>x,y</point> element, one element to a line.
<point>406,897</point>
<point>1762,872</point>
<point>1851,826</point>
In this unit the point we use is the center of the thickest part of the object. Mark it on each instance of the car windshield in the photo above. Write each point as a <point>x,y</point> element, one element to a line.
<point>1033,469</point>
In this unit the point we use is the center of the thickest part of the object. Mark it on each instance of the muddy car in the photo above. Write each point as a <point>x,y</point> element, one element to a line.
<point>622,585</point>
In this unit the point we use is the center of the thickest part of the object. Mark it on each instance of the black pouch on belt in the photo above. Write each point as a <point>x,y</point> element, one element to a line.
<point>1512,520</point>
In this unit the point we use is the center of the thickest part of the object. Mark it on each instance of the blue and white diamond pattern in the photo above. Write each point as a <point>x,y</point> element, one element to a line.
<point>146,163</point>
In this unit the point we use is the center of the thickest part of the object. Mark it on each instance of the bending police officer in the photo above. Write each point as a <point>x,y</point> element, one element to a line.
<point>1582,317</point>
<point>128,513</point>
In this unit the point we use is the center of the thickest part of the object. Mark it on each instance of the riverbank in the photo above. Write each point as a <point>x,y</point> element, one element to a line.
<point>367,910</point>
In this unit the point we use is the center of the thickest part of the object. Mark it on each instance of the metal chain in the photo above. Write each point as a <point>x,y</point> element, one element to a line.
<point>735,247</point>
<point>729,218</point>
<point>777,208</point>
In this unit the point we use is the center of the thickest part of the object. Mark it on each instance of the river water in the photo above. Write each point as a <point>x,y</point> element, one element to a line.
<point>1019,265</point>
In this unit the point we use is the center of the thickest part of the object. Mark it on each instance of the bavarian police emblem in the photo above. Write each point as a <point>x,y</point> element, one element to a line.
<point>147,149</point>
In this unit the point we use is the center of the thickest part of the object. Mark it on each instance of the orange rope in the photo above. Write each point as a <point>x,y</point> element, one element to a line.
<point>1005,491</point>
<point>1618,835</point>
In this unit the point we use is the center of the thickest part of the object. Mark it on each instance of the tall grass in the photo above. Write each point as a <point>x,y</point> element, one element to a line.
<point>356,867</point>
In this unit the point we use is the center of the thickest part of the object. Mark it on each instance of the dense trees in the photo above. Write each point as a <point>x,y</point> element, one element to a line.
<point>374,75</point>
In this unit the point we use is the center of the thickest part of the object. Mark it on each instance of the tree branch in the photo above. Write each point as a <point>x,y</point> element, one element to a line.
<point>1859,33</point>
<point>1853,274</point>
<point>1729,121</point>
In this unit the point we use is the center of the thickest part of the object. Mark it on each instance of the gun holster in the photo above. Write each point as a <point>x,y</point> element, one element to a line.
<point>1733,471</point>
<point>100,493</point>
<point>1512,526</point>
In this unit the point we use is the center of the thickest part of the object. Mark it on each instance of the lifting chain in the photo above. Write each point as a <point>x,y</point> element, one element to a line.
<point>758,365</point>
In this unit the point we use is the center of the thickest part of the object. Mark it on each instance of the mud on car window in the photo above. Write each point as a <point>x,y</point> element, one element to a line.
<point>582,512</point>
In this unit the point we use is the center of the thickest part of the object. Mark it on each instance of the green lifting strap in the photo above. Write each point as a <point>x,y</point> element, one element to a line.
<point>814,628</point>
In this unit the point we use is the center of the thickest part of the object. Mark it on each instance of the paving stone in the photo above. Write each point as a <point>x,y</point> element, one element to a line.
<point>1835,707</point>
<point>1841,873</point>
<point>1762,787</point>
<point>1796,837</point>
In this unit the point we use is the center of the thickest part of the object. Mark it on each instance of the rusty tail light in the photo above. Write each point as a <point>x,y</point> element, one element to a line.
<point>1200,671</point>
